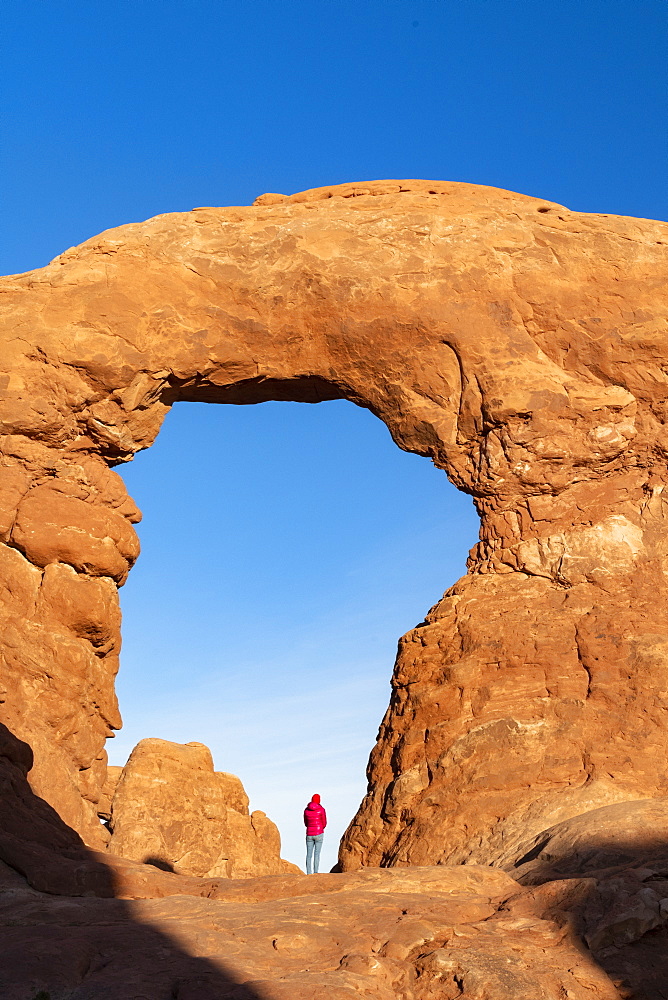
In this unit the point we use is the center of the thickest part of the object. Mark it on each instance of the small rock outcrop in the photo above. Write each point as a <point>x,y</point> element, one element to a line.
<point>169,808</point>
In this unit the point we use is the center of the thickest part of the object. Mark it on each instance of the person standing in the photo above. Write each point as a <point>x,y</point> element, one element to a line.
<point>315,821</point>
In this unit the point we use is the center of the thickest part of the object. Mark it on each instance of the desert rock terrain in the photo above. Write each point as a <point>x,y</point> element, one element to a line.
<point>170,808</point>
<point>419,932</point>
<point>585,916</point>
<point>519,346</point>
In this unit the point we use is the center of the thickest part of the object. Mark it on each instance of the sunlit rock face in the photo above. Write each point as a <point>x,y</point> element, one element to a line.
<point>169,808</point>
<point>520,346</point>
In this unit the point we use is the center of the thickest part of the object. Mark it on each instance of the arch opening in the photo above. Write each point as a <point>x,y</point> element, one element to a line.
<point>285,548</point>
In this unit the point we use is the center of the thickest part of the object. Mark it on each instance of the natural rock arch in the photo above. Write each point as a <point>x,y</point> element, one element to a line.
<point>519,345</point>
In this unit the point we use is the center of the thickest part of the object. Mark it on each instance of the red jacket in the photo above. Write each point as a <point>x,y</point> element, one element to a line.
<point>315,819</point>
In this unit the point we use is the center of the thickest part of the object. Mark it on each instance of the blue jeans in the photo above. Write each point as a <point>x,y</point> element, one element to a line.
<point>313,846</point>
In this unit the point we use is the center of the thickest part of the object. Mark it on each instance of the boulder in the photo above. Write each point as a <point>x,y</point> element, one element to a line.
<point>170,809</point>
<point>623,835</point>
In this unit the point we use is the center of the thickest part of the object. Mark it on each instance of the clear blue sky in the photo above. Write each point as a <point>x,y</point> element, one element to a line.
<point>286,547</point>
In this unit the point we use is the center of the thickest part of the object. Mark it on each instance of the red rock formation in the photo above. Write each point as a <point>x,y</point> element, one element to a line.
<point>520,346</point>
<point>614,837</point>
<point>171,809</point>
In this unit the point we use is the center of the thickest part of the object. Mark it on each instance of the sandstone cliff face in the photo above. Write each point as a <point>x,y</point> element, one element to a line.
<point>520,346</point>
<point>171,809</point>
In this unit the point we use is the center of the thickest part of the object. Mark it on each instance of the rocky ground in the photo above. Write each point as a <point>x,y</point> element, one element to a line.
<point>445,932</point>
<point>582,914</point>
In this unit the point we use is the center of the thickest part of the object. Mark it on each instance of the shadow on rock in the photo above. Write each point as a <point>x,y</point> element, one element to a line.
<point>69,929</point>
<point>609,869</point>
<point>164,866</point>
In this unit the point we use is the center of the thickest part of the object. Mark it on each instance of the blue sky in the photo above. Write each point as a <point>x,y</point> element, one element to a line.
<point>286,547</point>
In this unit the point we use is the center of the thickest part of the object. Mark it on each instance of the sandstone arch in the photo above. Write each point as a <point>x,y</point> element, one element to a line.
<point>520,346</point>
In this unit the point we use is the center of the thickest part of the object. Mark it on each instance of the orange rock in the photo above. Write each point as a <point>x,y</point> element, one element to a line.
<point>433,932</point>
<point>520,346</point>
<point>86,922</point>
<point>53,527</point>
<point>613,837</point>
<point>169,808</point>
<point>107,793</point>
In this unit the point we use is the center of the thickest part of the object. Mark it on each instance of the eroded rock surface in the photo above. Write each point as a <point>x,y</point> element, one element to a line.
<point>421,933</point>
<point>171,809</point>
<point>78,923</point>
<point>520,346</point>
<point>613,837</point>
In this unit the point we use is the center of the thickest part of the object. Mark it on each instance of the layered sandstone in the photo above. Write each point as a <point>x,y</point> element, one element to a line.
<point>520,346</point>
<point>169,808</point>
